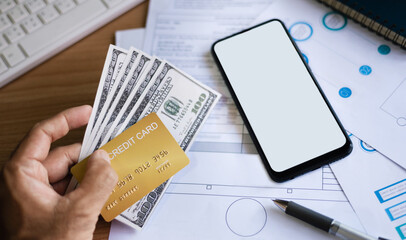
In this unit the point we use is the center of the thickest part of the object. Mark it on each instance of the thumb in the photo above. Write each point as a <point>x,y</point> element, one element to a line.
<point>97,184</point>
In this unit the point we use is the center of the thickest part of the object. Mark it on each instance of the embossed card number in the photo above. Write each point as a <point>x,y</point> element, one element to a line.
<point>144,156</point>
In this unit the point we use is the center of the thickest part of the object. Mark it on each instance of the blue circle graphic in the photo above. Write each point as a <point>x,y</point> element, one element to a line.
<point>366,147</point>
<point>301,24</point>
<point>384,49</point>
<point>334,18</point>
<point>345,92</point>
<point>305,58</point>
<point>365,70</point>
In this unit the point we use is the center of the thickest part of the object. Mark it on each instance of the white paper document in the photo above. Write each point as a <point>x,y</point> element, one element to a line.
<point>229,196</point>
<point>363,75</point>
<point>130,38</point>
<point>376,188</point>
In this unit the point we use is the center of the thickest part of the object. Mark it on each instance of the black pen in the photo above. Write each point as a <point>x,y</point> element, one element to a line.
<point>320,221</point>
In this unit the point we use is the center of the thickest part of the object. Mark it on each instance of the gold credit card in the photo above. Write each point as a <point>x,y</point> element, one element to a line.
<point>144,156</point>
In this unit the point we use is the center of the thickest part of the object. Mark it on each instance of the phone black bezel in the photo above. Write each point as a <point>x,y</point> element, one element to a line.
<point>303,167</point>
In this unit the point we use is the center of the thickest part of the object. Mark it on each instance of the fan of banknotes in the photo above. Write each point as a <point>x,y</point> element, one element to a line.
<point>132,85</point>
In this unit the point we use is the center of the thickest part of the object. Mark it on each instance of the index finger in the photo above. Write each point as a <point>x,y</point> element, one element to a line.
<point>37,143</point>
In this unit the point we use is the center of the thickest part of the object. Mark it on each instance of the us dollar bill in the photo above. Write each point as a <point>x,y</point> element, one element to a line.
<point>136,215</point>
<point>131,80</point>
<point>112,66</point>
<point>132,100</point>
<point>131,58</point>
<point>183,105</point>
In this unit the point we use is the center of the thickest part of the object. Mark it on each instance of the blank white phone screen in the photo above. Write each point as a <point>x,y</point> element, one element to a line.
<point>286,111</point>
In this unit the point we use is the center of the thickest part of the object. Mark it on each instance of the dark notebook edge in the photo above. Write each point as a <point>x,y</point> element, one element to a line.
<point>366,22</point>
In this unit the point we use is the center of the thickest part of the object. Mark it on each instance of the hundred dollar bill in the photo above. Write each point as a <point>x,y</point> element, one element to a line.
<point>131,80</point>
<point>136,215</point>
<point>183,105</point>
<point>112,65</point>
<point>133,98</point>
<point>131,58</point>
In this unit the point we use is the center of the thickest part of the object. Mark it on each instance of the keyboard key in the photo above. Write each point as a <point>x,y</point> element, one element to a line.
<point>3,43</point>
<point>111,3</point>
<point>3,66</point>
<point>14,33</point>
<point>64,5</point>
<point>4,22</point>
<point>13,55</point>
<point>6,5</point>
<point>34,5</point>
<point>17,13</point>
<point>62,26</point>
<point>31,24</point>
<point>48,14</point>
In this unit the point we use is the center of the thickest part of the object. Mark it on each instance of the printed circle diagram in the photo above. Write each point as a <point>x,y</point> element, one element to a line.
<point>401,121</point>
<point>246,217</point>
<point>365,70</point>
<point>345,92</point>
<point>334,21</point>
<point>301,31</point>
<point>384,49</point>
<point>305,58</point>
<point>366,147</point>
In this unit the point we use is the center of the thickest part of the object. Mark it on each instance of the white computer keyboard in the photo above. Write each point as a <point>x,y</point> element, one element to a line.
<point>31,31</point>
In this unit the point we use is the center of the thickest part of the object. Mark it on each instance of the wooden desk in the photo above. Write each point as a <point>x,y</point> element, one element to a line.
<point>68,79</point>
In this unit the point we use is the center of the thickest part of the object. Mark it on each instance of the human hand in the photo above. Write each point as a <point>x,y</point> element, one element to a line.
<point>32,183</point>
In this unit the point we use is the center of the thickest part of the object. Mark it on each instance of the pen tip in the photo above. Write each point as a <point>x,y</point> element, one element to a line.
<point>282,204</point>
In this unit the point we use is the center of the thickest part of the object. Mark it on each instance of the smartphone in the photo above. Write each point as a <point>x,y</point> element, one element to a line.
<point>290,120</point>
